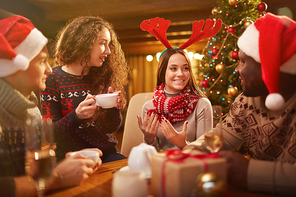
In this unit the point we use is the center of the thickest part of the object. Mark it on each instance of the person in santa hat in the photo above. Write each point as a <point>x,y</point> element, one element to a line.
<point>264,115</point>
<point>23,70</point>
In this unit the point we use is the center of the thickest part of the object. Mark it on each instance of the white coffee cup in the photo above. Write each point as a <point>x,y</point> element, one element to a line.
<point>91,154</point>
<point>130,183</point>
<point>106,100</point>
<point>140,158</point>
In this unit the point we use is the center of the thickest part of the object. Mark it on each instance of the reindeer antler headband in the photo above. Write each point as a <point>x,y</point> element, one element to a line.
<point>210,29</point>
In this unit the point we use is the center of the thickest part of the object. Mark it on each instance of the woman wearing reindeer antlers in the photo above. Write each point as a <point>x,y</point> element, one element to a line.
<point>178,111</point>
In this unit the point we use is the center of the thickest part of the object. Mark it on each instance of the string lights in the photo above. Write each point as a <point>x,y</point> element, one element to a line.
<point>191,55</point>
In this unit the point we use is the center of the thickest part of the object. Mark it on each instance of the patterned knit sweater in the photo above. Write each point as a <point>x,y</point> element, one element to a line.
<point>62,95</point>
<point>271,138</point>
<point>14,110</point>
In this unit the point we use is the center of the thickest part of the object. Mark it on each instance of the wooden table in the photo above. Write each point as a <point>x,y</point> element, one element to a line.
<point>99,184</point>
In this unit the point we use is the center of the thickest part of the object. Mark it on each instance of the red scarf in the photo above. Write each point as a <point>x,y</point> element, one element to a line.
<point>174,109</point>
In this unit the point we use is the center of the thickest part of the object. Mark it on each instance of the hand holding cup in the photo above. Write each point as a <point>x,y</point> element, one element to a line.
<point>109,100</point>
<point>91,154</point>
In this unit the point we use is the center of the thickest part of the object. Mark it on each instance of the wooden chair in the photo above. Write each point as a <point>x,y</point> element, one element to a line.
<point>132,135</point>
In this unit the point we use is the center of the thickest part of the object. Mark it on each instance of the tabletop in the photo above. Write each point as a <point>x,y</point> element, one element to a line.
<point>99,184</point>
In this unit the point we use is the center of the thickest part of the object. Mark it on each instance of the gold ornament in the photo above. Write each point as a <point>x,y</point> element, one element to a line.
<point>220,67</point>
<point>215,11</point>
<point>232,2</point>
<point>232,91</point>
<point>247,23</point>
<point>209,184</point>
<point>200,74</point>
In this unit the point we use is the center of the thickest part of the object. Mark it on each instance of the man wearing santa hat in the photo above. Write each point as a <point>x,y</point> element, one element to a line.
<point>264,115</point>
<point>23,69</point>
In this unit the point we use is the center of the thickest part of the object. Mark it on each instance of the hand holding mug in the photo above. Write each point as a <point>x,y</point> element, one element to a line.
<point>93,154</point>
<point>86,108</point>
<point>119,103</point>
<point>109,100</point>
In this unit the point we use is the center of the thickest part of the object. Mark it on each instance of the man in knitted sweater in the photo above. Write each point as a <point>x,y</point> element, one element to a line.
<point>23,69</point>
<point>264,115</point>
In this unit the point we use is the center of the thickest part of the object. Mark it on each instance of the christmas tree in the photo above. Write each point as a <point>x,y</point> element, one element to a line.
<point>216,71</point>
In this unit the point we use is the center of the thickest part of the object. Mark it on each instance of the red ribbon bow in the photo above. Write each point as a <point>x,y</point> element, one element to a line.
<point>179,156</point>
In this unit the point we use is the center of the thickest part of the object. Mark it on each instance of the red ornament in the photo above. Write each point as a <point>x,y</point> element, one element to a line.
<point>215,51</point>
<point>204,83</point>
<point>216,57</point>
<point>262,7</point>
<point>234,55</point>
<point>231,30</point>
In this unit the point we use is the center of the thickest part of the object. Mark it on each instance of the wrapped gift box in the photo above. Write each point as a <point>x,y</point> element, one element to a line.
<point>177,174</point>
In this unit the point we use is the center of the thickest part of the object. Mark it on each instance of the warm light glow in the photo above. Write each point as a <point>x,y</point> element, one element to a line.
<point>198,56</point>
<point>149,58</point>
<point>190,55</point>
<point>206,178</point>
<point>158,55</point>
<point>36,155</point>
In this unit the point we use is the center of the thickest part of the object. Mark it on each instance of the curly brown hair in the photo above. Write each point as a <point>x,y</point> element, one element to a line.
<point>163,64</point>
<point>74,45</point>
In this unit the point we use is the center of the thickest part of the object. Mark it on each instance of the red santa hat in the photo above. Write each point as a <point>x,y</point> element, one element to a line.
<point>20,42</point>
<point>271,41</point>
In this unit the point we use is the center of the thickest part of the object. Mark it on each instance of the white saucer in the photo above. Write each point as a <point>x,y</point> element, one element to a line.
<point>126,168</point>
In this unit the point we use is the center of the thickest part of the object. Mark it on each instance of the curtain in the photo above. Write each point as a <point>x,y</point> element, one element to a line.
<point>142,76</point>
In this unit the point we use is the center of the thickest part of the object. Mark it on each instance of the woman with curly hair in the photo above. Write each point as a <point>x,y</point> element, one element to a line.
<point>91,62</point>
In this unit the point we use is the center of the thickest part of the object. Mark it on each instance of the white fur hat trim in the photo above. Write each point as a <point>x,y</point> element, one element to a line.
<point>274,101</point>
<point>248,42</point>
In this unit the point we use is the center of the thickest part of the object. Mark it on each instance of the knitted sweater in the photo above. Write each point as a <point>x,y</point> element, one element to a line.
<point>196,123</point>
<point>60,99</point>
<point>14,110</point>
<point>271,138</point>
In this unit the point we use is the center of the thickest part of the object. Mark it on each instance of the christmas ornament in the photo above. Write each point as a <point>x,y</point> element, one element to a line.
<point>232,2</point>
<point>247,23</point>
<point>262,7</point>
<point>215,51</point>
<point>234,55</point>
<point>204,83</point>
<point>209,184</point>
<point>215,11</point>
<point>220,67</point>
<point>232,91</point>
<point>231,30</point>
